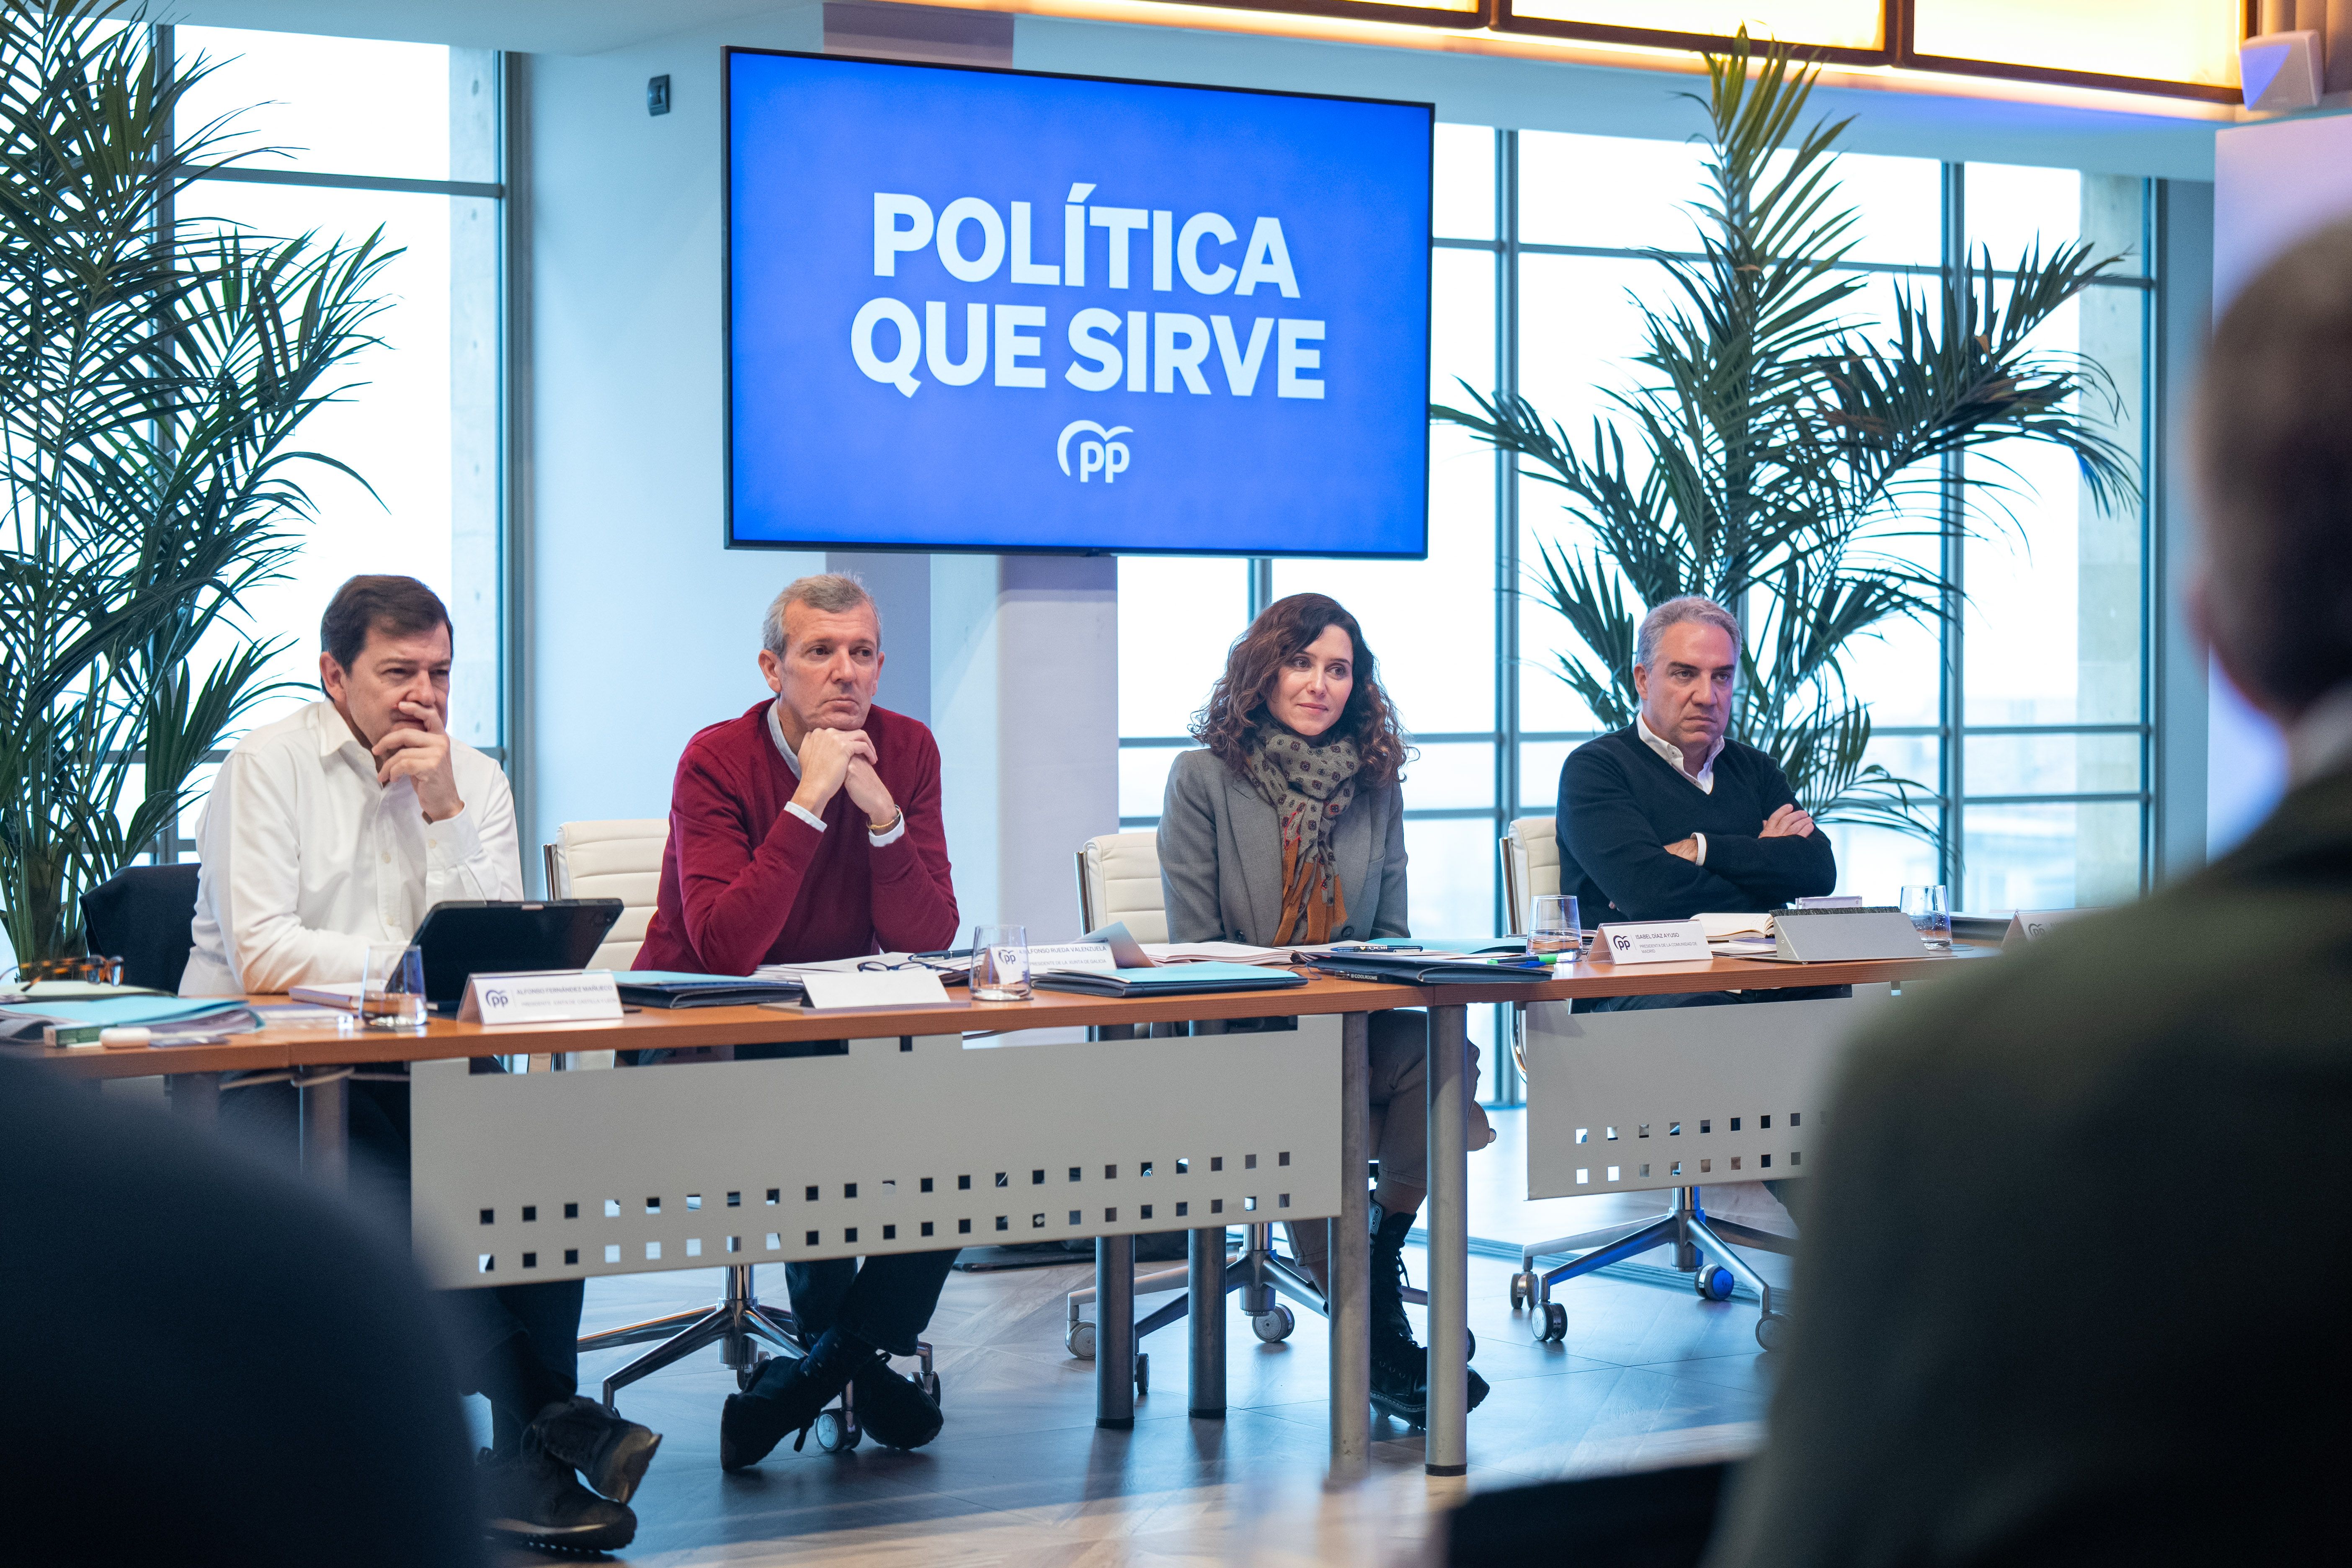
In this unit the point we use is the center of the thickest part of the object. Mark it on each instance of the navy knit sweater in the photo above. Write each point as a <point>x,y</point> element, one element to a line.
<point>1621,804</point>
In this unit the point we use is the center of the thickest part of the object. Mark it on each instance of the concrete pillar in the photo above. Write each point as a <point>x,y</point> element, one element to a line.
<point>1024,700</point>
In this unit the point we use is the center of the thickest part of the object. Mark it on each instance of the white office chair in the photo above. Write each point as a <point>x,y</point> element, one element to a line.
<point>1530,852</point>
<point>1118,880</point>
<point>619,860</point>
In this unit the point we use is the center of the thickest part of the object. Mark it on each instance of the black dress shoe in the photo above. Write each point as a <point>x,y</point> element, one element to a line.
<point>610,1454</point>
<point>893,1410</point>
<point>788,1396</point>
<point>533,1499</point>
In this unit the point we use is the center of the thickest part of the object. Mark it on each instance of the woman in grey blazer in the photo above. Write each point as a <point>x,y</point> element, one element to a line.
<point>1289,827</point>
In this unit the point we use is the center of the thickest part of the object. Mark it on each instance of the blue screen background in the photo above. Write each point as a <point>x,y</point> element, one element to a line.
<point>821,453</point>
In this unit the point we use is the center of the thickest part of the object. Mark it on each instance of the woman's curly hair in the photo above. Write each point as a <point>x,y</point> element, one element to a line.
<point>1236,708</point>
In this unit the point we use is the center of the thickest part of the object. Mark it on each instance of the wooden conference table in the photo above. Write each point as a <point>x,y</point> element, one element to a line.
<point>1118,1091</point>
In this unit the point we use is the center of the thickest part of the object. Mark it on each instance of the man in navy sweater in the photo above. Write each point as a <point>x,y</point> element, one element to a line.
<point>1667,817</point>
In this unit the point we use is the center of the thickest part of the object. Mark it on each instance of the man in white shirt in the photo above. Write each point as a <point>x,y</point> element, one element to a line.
<point>341,825</point>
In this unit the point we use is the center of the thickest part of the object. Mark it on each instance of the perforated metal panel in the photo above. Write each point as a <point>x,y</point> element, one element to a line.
<point>901,1145</point>
<point>1679,1096</point>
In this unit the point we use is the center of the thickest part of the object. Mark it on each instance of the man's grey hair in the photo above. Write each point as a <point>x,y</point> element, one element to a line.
<point>830,592</point>
<point>1674,613</point>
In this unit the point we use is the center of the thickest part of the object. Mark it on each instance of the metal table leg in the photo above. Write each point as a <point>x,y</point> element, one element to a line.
<point>1351,1263</point>
<point>325,1128</point>
<point>1114,1331</point>
<point>1204,1298</point>
<point>1449,1241</point>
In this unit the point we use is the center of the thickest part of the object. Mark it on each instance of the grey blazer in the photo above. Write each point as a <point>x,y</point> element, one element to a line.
<point>1221,859</point>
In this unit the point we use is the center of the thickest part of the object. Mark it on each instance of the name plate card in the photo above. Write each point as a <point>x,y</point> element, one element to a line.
<point>1654,941</point>
<point>541,996</point>
<point>874,988</point>
<point>1835,935</point>
<point>1085,957</point>
<point>2033,925</point>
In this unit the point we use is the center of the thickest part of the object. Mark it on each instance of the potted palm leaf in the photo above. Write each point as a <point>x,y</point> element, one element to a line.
<point>157,372</point>
<point>1785,462</point>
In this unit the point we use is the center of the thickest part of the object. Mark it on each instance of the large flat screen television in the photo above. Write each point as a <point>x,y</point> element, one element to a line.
<point>995,310</point>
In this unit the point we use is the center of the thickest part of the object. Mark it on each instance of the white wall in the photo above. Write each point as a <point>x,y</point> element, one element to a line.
<point>644,627</point>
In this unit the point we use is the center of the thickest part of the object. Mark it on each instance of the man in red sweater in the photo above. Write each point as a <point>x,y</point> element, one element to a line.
<point>807,829</point>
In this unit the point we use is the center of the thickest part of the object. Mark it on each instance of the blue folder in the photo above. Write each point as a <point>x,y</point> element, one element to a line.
<point>1170,979</point>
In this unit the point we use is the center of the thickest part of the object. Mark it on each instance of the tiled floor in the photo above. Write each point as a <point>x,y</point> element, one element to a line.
<point>1648,1376</point>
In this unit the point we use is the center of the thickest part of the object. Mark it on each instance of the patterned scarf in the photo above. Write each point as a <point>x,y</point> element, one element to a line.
<point>1308,787</point>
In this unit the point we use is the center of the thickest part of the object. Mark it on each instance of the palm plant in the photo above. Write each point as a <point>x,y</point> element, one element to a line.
<point>1776,460</point>
<point>156,374</point>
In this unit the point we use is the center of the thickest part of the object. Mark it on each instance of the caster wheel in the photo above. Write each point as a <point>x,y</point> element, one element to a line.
<point>745,1377</point>
<point>1274,1325</point>
<point>1772,1331</point>
<point>1081,1341</point>
<point>1713,1283</point>
<point>1142,1375</point>
<point>1549,1320</point>
<point>930,1385</point>
<point>1523,1291</point>
<point>835,1432</point>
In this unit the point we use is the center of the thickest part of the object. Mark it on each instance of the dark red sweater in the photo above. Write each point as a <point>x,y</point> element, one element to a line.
<point>745,882</point>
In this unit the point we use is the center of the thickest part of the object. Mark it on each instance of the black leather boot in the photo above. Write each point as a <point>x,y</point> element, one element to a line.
<point>788,1396</point>
<point>894,1411</point>
<point>1400,1366</point>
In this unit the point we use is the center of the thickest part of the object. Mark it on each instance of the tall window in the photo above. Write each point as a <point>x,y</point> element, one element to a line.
<point>343,138</point>
<point>2024,711</point>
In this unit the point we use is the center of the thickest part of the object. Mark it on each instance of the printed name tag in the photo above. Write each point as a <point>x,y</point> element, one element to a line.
<point>1082,955</point>
<point>2033,925</point>
<point>1654,941</point>
<point>544,997</point>
<point>874,988</point>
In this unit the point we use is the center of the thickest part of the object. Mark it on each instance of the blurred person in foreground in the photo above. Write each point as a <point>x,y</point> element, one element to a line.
<point>216,1365</point>
<point>2037,1324</point>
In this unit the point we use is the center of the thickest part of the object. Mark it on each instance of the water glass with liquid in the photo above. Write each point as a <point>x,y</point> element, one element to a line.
<point>1553,926</point>
<point>391,987</point>
<point>1000,964</point>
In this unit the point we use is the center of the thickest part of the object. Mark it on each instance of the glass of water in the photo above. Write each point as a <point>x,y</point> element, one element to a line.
<point>1931,908</point>
<point>1000,964</point>
<point>1552,925</point>
<point>391,987</point>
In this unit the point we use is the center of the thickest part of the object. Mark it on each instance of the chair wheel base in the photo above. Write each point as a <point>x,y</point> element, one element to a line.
<point>1549,1322</point>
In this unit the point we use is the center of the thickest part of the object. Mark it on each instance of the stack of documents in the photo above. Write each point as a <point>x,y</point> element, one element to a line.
<point>1410,966</point>
<point>1170,980</point>
<point>1214,953</point>
<point>950,967</point>
<point>1740,935</point>
<point>171,1020</point>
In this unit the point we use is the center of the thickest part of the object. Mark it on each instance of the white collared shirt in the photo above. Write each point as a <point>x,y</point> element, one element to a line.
<point>1703,780</point>
<point>307,860</point>
<point>793,760</point>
